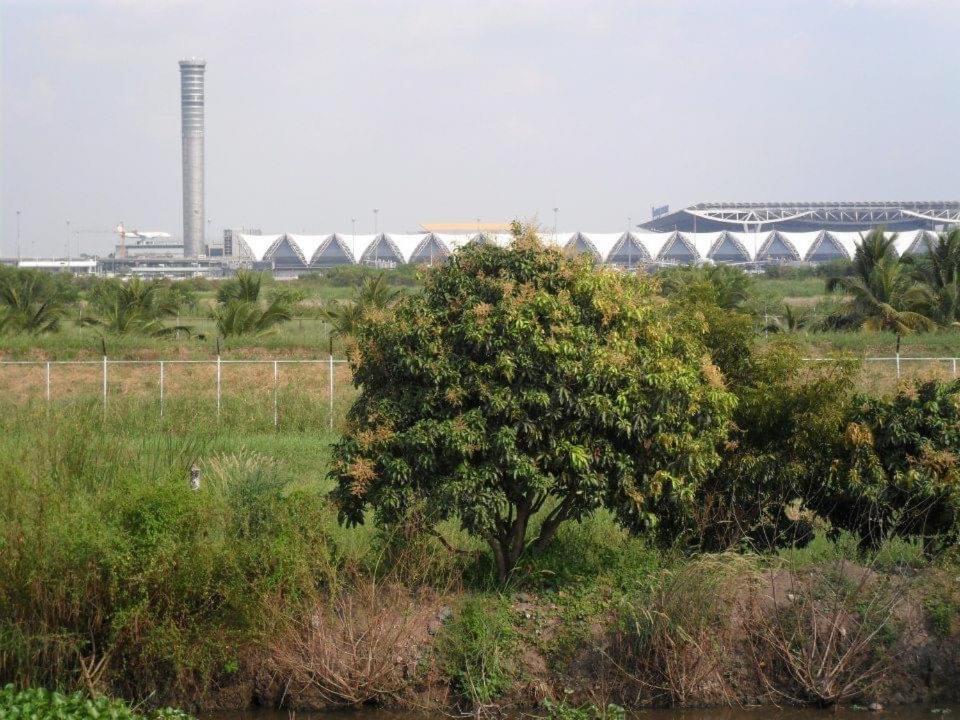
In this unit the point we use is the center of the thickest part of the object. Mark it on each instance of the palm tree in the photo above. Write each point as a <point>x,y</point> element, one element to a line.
<point>244,286</point>
<point>345,317</point>
<point>242,317</point>
<point>882,295</point>
<point>240,312</point>
<point>939,271</point>
<point>789,321</point>
<point>133,306</point>
<point>29,302</point>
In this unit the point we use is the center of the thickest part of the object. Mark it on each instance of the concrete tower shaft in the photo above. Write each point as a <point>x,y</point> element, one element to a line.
<point>191,135</point>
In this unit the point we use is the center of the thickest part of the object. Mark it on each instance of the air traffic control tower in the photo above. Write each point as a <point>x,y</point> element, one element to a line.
<point>191,134</point>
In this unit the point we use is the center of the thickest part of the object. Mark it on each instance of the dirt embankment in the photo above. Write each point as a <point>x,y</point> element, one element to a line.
<point>708,634</point>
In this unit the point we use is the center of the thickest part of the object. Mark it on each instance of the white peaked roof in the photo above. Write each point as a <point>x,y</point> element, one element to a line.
<point>557,239</point>
<point>307,245</point>
<point>603,242</point>
<point>452,242</point>
<point>653,241</point>
<point>258,245</point>
<point>744,241</point>
<point>406,244</point>
<point>359,244</point>
<point>919,244</point>
<point>703,242</point>
<point>906,239</point>
<point>802,241</point>
<point>402,247</point>
<point>848,241</point>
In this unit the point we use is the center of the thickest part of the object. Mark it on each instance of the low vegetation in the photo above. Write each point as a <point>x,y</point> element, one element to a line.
<point>557,484</point>
<point>39,703</point>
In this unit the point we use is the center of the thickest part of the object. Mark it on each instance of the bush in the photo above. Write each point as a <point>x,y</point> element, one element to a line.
<point>478,650</point>
<point>114,574</point>
<point>788,427</point>
<point>42,704</point>
<point>898,472</point>
<point>523,382</point>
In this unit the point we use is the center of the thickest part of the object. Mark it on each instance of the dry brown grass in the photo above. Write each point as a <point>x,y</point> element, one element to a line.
<point>364,647</point>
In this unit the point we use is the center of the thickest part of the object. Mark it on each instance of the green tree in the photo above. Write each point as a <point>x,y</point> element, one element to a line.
<point>791,320</point>
<point>939,271</point>
<point>30,302</point>
<point>521,385</point>
<point>132,306</point>
<point>240,311</point>
<point>898,473</point>
<point>373,294</point>
<point>787,429</point>
<point>725,286</point>
<point>882,295</point>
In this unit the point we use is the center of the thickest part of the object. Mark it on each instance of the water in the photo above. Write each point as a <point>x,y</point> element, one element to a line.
<point>899,712</point>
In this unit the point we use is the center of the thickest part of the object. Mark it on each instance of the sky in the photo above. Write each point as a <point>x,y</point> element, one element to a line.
<point>449,110</point>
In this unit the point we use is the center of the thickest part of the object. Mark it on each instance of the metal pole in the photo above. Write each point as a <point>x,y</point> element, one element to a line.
<point>954,367</point>
<point>898,364</point>
<point>331,391</point>
<point>218,387</point>
<point>276,380</point>
<point>104,385</point>
<point>48,381</point>
<point>161,389</point>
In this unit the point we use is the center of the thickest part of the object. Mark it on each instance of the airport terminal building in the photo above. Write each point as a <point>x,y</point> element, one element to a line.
<point>739,233</point>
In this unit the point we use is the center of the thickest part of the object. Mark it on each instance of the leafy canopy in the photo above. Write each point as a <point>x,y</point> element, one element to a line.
<point>882,294</point>
<point>521,383</point>
<point>898,473</point>
<point>240,311</point>
<point>31,301</point>
<point>133,306</point>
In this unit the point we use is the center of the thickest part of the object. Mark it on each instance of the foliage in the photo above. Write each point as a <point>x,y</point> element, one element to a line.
<point>897,473</point>
<point>787,427</point>
<point>117,576</point>
<point>939,271</point>
<point>133,306</point>
<point>373,295</point>
<point>724,286</point>
<point>41,704</point>
<point>883,296</point>
<point>355,275</point>
<point>478,650</point>
<point>564,711</point>
<point>520,382</point>
<point>790,320</point>
<point>240,312</point>
<point>31,302</point>
<point>244,286</point>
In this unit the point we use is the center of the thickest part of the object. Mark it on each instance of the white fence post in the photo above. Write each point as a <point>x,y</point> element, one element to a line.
<point>331,390</point>
<point>276,381</point>
<point>218,387</point>
<point>954,367</point>
<point>898,364</point>
<point>161,389</point>
<point>47,378</point>
<point>104,385</point>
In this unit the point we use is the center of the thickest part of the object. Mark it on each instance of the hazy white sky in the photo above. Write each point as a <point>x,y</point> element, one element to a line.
<point>446,110</point>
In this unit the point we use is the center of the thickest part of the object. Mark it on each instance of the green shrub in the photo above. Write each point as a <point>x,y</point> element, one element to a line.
<point>523,382</point>
<point>478,650</point>
<point>898,472</point>
<point>109,559</point>
<point>40,704</point>
<point>787,429</point>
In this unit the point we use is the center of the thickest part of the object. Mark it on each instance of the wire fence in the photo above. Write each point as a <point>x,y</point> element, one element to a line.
<point>29,383</point>
<point>56,380</point>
